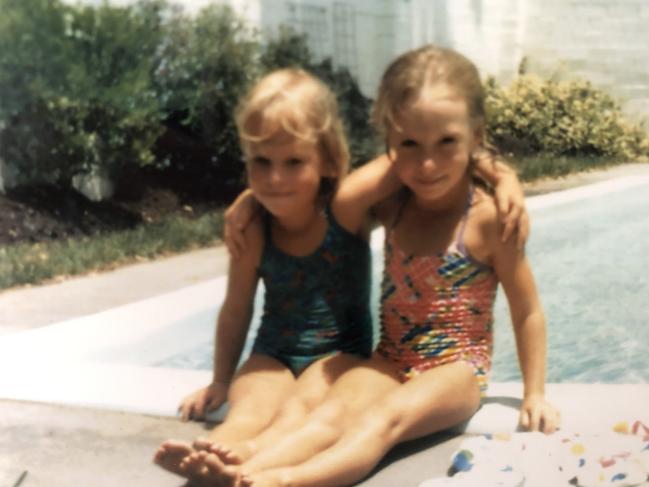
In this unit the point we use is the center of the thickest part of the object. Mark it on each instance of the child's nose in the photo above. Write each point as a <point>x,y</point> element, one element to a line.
<point>275,175</point>
<point>428,162</point>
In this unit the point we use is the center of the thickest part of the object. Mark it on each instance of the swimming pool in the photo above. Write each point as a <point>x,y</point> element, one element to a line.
<point>590,260</point>
<point>588,249</point>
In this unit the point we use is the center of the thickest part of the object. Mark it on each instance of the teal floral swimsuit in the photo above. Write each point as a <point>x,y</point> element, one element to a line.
<point>317,304</point>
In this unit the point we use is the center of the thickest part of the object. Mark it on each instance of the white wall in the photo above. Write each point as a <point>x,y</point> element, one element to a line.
<point>487,34</point>
<point>363,35</point>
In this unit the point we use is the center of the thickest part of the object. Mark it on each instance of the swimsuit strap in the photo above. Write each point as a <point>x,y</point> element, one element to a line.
<point>404,196</point>
<point>459,241</point>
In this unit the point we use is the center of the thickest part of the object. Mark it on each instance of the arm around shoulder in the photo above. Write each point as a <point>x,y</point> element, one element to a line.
<point>509,194</point>
<point>363,189</point>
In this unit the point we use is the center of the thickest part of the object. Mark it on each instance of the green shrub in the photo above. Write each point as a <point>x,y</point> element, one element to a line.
<point>569,118</point>
<point>203,66</point>
<point>77,79</point>
<point>112,89</point>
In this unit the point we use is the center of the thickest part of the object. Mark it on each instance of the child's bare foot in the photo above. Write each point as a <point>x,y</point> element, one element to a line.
<point>170,456</point>
<point>205,469</point>
<point>228,456</point>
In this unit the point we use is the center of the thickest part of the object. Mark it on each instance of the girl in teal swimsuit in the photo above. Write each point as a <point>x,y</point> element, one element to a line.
<point>315,273</point>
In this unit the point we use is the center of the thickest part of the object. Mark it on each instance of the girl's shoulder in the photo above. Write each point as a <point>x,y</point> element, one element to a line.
<point>245,267</point>
<point>387,210</point>
<point>255,235</point>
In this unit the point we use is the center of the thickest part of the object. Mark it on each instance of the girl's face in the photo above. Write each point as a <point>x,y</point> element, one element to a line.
<point>432,144</point>
<point>285,174</point>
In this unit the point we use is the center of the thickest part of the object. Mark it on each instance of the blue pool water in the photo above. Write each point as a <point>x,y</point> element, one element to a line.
<point>591,263</point>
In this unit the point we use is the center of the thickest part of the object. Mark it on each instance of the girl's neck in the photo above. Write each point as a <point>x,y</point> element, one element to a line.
<point>452,202</point>
<point>300,222</point>
<point>300,236</point>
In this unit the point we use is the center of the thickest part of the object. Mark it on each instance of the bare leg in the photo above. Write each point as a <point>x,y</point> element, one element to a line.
<point>353,393</point>
<point>433,401</point>
<point>258,390</point>
<point>311,388</point>
<point>212,464</point>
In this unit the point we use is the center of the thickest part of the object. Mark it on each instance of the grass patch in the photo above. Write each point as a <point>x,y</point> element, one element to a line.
<point>530,168</point>
<point>34,263</point>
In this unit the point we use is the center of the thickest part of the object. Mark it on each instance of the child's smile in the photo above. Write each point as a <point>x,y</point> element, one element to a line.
<point>431,146</point>
<point>285,175</point>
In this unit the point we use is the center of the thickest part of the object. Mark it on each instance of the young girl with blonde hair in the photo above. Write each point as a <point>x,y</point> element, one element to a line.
<point>315,273</point>
<point>444,257</point>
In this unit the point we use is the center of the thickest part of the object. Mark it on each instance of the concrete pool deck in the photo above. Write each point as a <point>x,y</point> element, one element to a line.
<point>64,445</point>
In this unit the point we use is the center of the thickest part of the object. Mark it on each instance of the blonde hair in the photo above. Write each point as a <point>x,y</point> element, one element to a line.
<point>295,103</point>
<point>407,78</point>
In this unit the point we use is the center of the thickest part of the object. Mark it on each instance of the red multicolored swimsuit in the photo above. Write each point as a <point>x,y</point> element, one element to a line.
<point>437,309</point>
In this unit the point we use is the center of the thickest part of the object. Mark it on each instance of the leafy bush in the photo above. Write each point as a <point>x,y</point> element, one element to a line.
<point>570,118</point>
<point>202,67</point>
<point>77,89</point>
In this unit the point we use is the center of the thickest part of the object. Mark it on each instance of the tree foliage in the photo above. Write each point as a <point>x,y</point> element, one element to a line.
<point>203,66</point>
<point>78,97</point>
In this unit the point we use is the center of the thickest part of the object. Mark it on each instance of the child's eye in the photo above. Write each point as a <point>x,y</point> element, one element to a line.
<point>294,161</point>
<point>408,143</point>
<point>260,161</point>
<point>448,140</point>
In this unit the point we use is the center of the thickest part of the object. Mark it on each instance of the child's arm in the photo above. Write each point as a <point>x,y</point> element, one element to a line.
<point>232,327</point>
<point>515,275</point>
<point>357,194</point>
<point>361,191</point>
<point>509,195</point>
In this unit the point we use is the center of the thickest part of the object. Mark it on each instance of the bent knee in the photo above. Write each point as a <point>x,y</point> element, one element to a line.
<point>385,421</point>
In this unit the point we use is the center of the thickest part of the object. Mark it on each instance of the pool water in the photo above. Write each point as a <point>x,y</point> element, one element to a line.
<point>590,258</point>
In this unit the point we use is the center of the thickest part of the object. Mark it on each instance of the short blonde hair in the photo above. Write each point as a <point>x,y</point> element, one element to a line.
<point>428,67</point>
<point>295,103</point>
